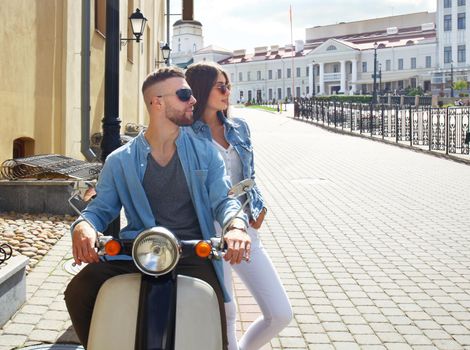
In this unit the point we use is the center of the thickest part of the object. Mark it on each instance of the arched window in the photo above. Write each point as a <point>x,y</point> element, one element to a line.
<point>410,42</point>
<point>23,147</point>
<point>381,46</point>
<point>331,48</point>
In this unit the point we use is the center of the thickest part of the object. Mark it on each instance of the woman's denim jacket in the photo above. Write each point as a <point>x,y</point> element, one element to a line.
<point>238,135</point>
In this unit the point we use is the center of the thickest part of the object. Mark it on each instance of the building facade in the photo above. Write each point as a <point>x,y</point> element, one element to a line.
<point>40,89</point>
<point>453,52</point>
<point>418,50</point>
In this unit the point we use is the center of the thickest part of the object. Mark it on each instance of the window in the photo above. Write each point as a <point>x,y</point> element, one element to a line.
<point>194,48</point>
<point>413,63</point>
<point>461,53</point>
<point>288,73</point>
<point>428,61</point>
<point>270,94</point>
<point>306,71</point>
<point>413,82</point>
<point>400,64</point>
<point>279,93</point>
<point>240,76</point>
<point>279,73</point>
<point>289,93</point>
<point>461,20</point>
<point>270,74</point>
<point>447,23</point>
<point>307,90</point>
<point>258,75</point>
<point>447,3</point>
<point>364,67</point>
<point>447,54</point>
<point>297,70</point>
<point>248,76</point>
<point>388,65</point>
<point>336,68</point>
<point>400,84</point>
<point>331,48</point>
<point>297,91</point>
<point>461,2</point>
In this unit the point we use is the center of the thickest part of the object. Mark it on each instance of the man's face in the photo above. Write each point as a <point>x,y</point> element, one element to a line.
<point>174,95</point>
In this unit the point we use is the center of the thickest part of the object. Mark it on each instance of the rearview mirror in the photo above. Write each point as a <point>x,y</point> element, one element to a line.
<point>241,188</point>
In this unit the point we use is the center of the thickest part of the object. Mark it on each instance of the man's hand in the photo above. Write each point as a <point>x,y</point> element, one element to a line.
<point>256,224</point>
<point>238,244</point>
<point>83,244</point>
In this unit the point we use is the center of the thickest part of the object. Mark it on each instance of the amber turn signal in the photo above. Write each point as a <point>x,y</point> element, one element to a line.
<point>112,247</point>
<point>203,249</point>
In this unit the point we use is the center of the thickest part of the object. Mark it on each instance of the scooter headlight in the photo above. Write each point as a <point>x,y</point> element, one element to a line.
<point>156,251</point>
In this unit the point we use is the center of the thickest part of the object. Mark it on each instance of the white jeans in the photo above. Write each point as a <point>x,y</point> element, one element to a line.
<point>262,280</point>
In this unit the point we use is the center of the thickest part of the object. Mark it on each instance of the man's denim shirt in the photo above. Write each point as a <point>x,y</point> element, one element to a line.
<point>238,135</point>
<point>120,185</point>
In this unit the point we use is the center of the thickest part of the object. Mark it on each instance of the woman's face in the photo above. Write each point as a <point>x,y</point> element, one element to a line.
<point>219,95</point>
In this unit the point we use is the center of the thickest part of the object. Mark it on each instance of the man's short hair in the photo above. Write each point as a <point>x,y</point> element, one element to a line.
<point>161,74</point>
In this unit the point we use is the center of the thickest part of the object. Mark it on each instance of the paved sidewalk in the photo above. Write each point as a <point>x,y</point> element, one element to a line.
<point>371,241</point>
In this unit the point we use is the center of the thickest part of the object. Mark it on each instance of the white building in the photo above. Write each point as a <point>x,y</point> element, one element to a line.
<point>453,32</point>
<point>412,50</point>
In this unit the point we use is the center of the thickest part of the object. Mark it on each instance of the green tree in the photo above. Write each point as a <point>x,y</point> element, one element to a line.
<point>460,85</point>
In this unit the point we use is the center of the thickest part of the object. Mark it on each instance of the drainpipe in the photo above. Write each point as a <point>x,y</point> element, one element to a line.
<point>85,83</point>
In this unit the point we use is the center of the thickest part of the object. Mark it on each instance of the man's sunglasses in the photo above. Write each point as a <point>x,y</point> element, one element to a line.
<point>223,88</point>
<point>184,94</point>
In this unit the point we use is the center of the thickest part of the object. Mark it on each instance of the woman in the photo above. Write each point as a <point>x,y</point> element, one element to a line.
<point>231,136</point>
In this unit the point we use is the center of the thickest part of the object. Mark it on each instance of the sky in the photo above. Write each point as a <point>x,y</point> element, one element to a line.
<point>246,24</point>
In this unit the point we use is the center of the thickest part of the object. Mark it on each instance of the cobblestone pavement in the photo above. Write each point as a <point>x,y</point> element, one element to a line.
<point>371,242</point>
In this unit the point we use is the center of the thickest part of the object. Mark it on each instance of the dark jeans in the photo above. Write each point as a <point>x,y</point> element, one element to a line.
<point>82,290</point>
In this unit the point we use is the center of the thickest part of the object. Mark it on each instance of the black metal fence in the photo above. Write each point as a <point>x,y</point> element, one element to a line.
<point>435,129</point>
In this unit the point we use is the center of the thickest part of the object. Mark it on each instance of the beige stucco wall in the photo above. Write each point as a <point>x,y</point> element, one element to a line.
<point>40,72</point>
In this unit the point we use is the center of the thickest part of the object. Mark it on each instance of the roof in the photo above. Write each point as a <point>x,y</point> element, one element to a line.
<point>212,48</point>
<point>180,22</point>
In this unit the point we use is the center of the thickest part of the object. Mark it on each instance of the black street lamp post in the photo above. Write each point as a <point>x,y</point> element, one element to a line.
<point>111,121</point>
<point>314,88</point>
<point>374,87</point>
<point>451,79</point>
<point>380,79</point>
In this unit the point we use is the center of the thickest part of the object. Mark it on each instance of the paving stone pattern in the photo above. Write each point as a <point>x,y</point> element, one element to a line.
<point>370,240</point>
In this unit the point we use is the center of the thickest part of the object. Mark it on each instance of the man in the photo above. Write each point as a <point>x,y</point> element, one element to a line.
<point>163,177</point>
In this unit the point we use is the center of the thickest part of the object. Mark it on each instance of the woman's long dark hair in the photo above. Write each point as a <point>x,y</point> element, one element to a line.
<point>201,77</point>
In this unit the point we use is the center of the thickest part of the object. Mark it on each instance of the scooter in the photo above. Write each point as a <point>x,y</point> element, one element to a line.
<point>162,310</point>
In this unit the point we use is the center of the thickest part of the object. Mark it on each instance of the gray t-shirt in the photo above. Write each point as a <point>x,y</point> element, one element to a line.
<point>169,198</point>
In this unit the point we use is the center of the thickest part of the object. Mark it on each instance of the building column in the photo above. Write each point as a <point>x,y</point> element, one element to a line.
<point>343,77</point>
<point>322,78</point>
<point>311,83</point>
<point>353,76</point>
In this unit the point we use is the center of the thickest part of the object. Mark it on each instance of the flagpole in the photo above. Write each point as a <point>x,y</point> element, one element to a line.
<point>293,50</point>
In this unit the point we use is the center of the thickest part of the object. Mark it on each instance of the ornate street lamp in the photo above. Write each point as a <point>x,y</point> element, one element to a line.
<point>374,87</point>
<point>165,54</point>
<point>138,22</point>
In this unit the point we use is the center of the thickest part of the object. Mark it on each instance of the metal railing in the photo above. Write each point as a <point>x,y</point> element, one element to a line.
<point>5,252</point>
<point>440,130</point>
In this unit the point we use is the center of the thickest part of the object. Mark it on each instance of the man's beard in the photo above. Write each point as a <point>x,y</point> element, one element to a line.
<point>179,117</point>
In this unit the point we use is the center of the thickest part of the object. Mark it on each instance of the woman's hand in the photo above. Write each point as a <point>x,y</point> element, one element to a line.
<point>238,243</point>
<point>256,224</point>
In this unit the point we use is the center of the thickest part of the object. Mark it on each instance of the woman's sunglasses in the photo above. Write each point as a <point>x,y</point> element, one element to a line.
<point>223,88</point>
<point>184,94</point>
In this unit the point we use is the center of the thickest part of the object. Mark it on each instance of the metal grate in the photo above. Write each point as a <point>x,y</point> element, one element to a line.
<point>49,166</point>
